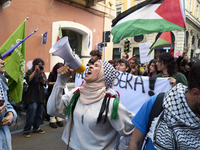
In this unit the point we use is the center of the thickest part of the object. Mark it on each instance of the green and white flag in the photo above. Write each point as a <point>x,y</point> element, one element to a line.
<point>148,17</point>
<point>15,63</point>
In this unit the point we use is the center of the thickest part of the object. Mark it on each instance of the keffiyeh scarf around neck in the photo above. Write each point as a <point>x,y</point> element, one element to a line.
<point>177,127</point>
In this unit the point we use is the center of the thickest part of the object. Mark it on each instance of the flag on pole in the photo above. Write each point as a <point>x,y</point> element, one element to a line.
<point>172,51</point>
<point>164,39</point>
<point>59,33</point>
<point>99,46</point>
<point>15,64</point>
<point>148,17</point>
<point>177,54</point>
<point>44,38</point>
<point>131,58</point>
<point>6,54</point>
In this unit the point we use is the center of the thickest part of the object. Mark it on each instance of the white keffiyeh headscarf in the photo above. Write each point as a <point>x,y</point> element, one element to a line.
<point>95,91</point>
<point>177,127</point>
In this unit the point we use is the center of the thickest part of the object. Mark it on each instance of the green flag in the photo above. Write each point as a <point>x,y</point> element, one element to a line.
<point>15,63</point>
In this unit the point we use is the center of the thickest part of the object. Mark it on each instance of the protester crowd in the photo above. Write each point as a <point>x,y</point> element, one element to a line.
<point>165,66</point>
<point>95,117</point>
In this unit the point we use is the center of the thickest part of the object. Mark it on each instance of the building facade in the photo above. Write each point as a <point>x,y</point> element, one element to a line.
<point>180,38</point>
<point>83,21</point>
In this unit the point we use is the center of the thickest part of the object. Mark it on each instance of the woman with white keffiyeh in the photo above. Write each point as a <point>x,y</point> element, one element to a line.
<point>96,119</point>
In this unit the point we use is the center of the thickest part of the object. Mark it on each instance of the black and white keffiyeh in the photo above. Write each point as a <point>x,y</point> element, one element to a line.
<point>109,73</point>
<point>177,127</point>
<point>1,90</point>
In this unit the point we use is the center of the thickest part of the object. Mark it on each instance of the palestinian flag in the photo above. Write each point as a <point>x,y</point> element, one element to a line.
<point>172,51</point>
<point>148,17</point>
<point>164,39</point>
<point>59,33</point>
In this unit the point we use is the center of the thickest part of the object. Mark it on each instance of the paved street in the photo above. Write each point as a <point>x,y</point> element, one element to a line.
<point>50,140</point>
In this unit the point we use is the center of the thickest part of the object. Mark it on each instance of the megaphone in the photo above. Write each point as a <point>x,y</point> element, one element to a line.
<point>62,49</point>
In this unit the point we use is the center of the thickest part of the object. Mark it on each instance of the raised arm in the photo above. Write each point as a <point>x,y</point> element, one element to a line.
<point>57,101</point>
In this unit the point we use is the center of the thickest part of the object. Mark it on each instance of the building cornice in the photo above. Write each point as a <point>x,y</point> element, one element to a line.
<point>192,19</point>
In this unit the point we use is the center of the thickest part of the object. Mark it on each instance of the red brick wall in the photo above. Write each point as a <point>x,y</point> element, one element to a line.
<point>41,15</point>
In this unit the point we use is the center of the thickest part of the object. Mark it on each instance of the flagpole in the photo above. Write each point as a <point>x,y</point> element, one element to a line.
<point>44,37</point>
<point>46,31</point>
<point>185,22</point>
<point>16,45</point>
<point>26,18</point>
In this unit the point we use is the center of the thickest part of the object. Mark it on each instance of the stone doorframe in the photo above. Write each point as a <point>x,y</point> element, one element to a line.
<point>76,27</point>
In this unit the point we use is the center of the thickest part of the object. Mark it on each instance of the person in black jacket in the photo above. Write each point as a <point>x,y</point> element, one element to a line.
<point>36,79</point>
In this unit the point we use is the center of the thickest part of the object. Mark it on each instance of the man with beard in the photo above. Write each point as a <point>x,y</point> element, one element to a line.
<point>177,126</point>
<point>125,56</point>
<point>95,55</point>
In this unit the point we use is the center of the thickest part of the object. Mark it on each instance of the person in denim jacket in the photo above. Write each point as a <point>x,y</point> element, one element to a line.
<point>7,114</point>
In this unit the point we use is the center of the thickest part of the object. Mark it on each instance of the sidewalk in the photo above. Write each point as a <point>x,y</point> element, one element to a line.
<point>19,124</point>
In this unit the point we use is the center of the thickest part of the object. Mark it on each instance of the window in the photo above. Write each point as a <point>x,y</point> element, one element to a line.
<point>186,4</point>
<point>197,11</point>
<point>116,54</point>
<point>136,53</point>
<point>187,39</point>
<point>157,52</point>
<point>190,6</point>
<point>118,11</point>
<point>193,39</point>
<point>75,41</point>
<point>192,52</point>
<point>138,38</point>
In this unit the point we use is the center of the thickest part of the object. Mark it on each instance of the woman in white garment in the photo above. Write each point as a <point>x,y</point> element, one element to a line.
<point>96,118</point>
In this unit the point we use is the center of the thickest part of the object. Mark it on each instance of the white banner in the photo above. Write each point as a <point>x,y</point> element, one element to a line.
<point>144,49</point>
<point>133,90</point>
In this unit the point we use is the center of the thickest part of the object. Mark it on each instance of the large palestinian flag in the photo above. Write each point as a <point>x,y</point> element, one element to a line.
<point>148,17</point>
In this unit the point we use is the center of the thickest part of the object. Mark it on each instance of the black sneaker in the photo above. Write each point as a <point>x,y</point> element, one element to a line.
<point>53,125</point>
<point>39,131</point>
<point>27,134</point>
<point>60,123</point>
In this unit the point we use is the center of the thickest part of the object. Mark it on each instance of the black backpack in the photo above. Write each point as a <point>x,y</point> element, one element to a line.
<point>157,106</point>
<point>155,111</point>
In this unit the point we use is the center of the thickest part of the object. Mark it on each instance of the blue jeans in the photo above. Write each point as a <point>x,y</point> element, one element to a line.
<point>34,115</point>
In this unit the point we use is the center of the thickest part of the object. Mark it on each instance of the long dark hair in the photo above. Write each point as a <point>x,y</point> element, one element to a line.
<point>168,59</point>
<point>136,61</point>
<point>36,62</point>
<point>55,68</point>
<point>153,61</point>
